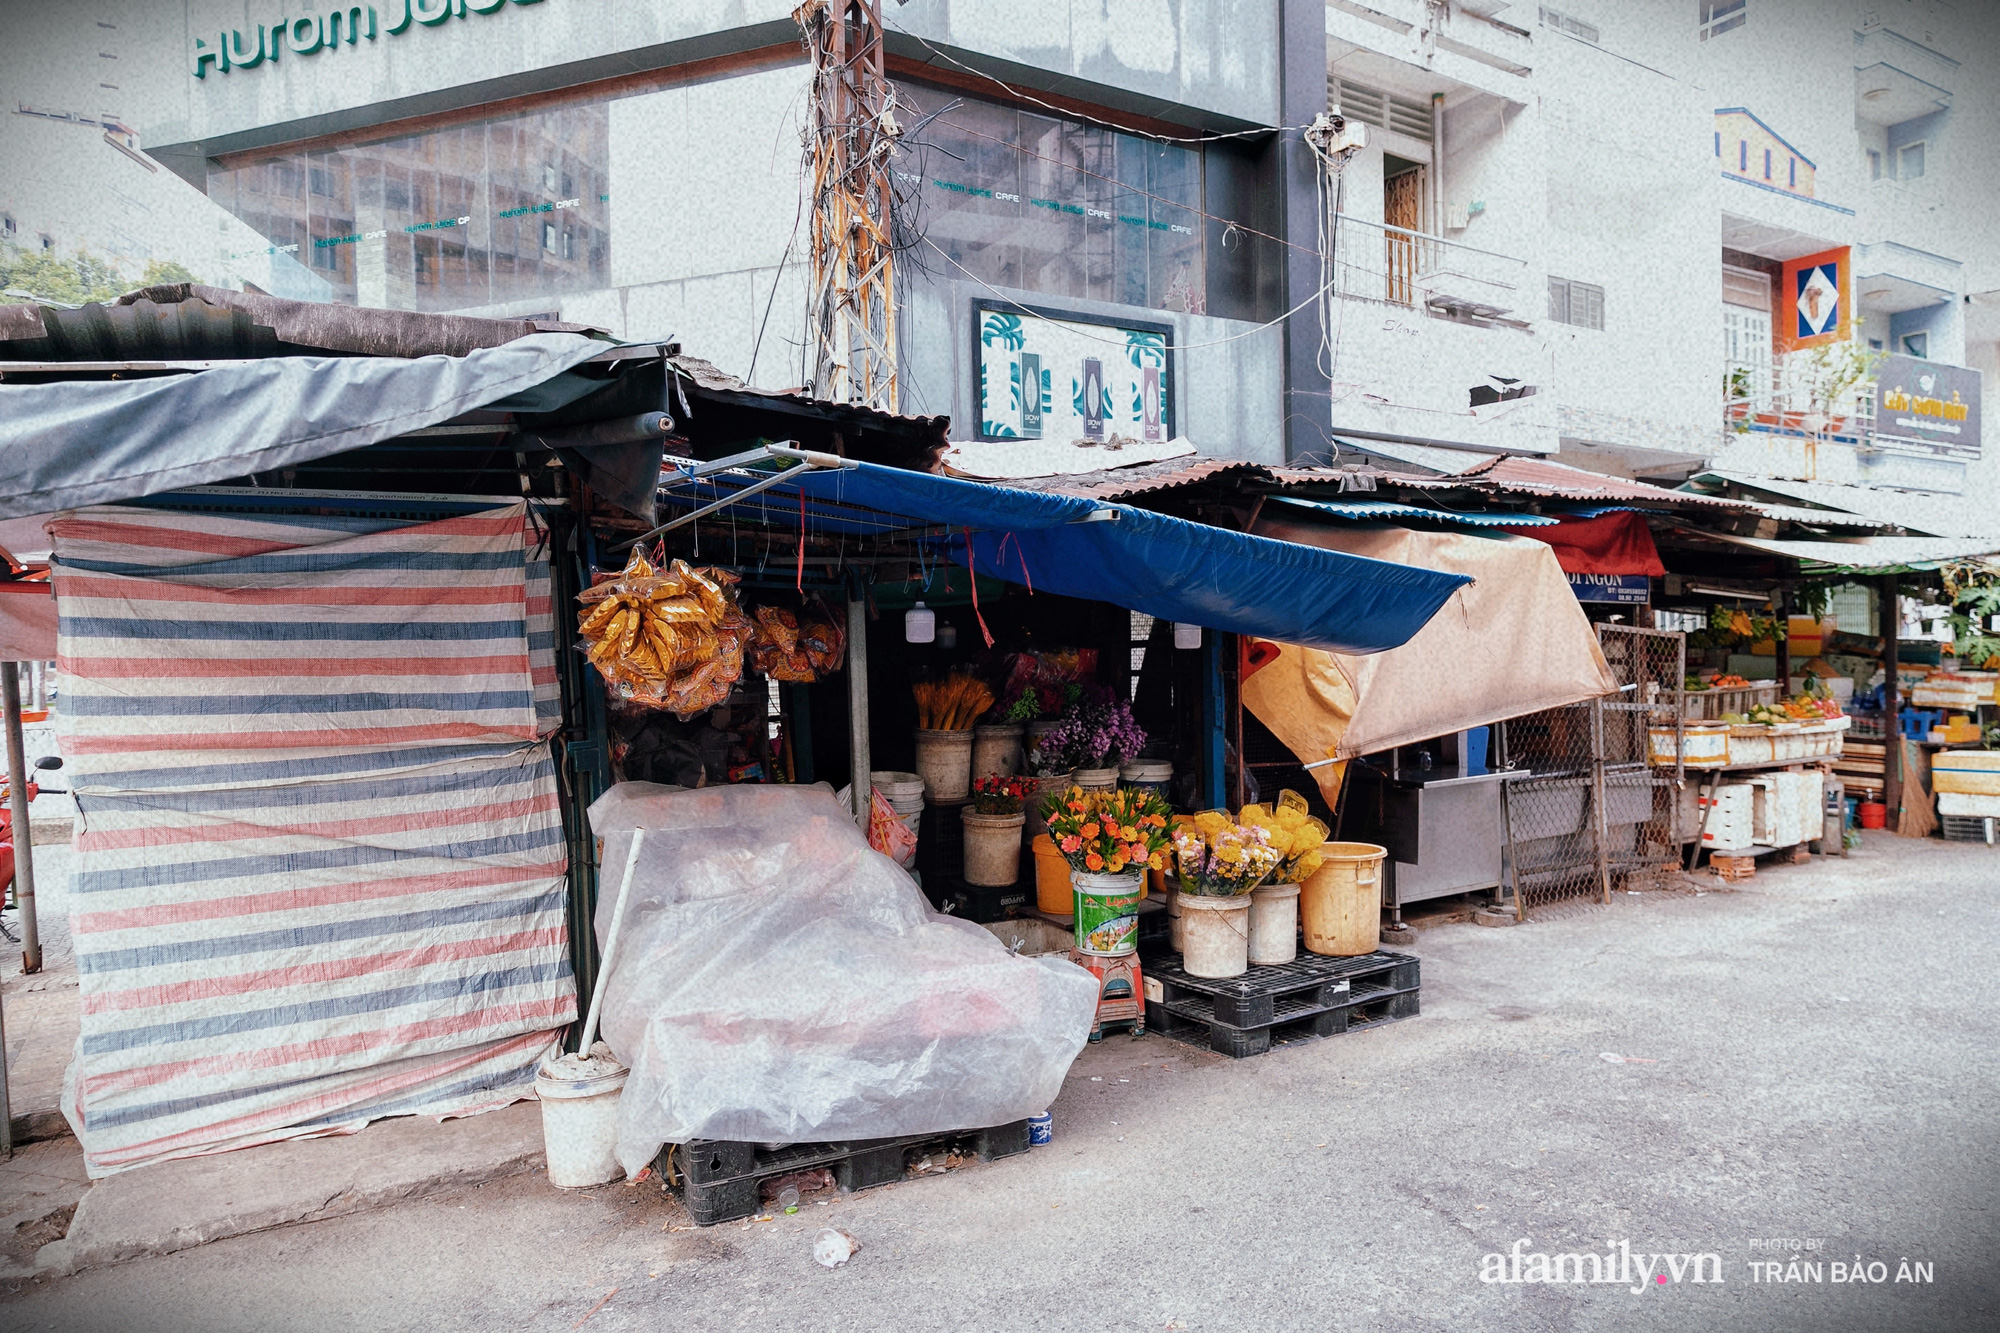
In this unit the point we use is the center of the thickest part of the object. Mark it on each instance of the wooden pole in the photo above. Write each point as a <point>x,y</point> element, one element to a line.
<point>1783,602</point>
<point>1892,751</point>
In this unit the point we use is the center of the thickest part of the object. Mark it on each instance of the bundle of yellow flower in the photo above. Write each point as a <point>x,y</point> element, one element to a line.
<point>1217,857</point>
<point>1296,835</point>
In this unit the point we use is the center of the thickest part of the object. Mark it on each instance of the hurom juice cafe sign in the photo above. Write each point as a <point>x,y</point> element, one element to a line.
<point>311,34</point>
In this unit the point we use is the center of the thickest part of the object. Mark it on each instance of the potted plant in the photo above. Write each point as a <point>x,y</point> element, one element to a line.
<point>1110,839</point>
<point>993,831</point>
<point>1274,905</point>
<point>1219,862</point>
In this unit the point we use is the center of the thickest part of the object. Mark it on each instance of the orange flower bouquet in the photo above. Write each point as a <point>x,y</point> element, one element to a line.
<point>1109,832</point>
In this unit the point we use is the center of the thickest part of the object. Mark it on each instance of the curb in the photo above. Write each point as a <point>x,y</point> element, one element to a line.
<point>171,1206</point>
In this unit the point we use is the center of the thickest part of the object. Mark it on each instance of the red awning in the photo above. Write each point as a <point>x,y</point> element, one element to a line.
<point>1614,543</point>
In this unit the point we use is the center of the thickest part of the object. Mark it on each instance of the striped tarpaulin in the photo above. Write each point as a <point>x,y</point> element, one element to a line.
<point>321,870</point>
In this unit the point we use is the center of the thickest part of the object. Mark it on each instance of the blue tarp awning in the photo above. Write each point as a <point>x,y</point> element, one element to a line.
<point>1163,566</point>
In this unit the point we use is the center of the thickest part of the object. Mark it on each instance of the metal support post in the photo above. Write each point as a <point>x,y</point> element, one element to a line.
<point>1214,743</point>
<point>24,852</point>
<point>857,701</point>
<point>1892,744</point>
<point>1599,825</point>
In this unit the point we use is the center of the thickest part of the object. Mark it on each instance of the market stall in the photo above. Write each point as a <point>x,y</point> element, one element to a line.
<point>388,711</point>
<point>1433,788</point>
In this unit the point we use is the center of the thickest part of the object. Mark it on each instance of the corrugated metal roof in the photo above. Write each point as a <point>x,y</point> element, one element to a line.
<point>183,321</point>
<point>721,385</point>
<point>1374,509</point>
<point>1824,518</point>
<point>1874,555</point>
<point>1539,477</point>
<point>1891,508</point>
<point>1346,476</point>
<point>1142,478</point>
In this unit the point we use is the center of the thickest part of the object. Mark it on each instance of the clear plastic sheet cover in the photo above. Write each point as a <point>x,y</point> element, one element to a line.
<point>778,981</point>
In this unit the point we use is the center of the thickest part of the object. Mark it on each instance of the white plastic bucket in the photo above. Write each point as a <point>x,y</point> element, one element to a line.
<point>944,758</point>
<point>580,1116</point>
<point>1154,775</point>
<point>1274,923</point>
<point>996,751</point>
<point>905,794</point>
<point>1097,779</point>
<point>1216,935</point>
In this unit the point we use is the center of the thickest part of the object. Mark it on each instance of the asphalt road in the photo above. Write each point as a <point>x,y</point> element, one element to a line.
<point>1812,1060</point>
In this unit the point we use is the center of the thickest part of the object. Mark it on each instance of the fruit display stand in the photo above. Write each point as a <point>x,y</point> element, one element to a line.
<point>1711,704</point>
<point>1762,789</point>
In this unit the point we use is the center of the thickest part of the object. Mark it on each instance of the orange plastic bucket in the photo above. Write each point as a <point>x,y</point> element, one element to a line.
<point>1052,888</point>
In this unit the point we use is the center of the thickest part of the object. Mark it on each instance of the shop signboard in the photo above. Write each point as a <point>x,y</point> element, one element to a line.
<point>1814,301</point>
<point>290,40</point>
<point>1626,589</point>
<point>1927,409</point>
<point>1058,375</point>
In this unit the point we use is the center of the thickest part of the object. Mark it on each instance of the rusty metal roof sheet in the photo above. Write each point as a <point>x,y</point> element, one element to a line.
<point>182,321</point>
<point>1120,483</point>
<point>1539,477</point>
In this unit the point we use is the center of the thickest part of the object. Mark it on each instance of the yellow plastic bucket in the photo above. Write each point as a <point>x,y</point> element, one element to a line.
<point>1340,907</point>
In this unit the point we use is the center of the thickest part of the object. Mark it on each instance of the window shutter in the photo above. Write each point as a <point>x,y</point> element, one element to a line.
<point>1587,305</point>
<point>1559,300</point>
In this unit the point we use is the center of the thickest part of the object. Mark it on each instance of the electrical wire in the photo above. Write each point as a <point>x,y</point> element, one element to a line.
<point>1120,343</point>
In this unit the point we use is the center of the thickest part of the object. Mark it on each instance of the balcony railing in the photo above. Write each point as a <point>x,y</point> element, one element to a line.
<point>1377,262</point>
<point>1789,398</point>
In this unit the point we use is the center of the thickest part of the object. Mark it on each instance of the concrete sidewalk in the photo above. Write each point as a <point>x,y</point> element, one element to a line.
<point>177,1205</point>
<point>40,1010</point>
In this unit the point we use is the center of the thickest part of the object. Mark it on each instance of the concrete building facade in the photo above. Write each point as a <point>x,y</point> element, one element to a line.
<point>1568,232</point>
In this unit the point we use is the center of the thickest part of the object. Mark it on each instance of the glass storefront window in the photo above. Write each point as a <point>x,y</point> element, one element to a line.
<point>511,213</point>
<point>493,213</point>
<point>1060,207</point>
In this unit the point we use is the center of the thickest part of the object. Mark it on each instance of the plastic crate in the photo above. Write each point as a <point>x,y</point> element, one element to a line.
<point>941,845</point>
<point>1709,705</point>
<point>1970,828</point>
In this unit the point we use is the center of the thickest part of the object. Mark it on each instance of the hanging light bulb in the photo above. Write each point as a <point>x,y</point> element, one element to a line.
<point>919,624</point>
<point>1186,635</point>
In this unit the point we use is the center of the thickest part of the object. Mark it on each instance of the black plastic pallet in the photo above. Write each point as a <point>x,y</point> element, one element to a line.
<point>1281,1004</point>
<point>719,1179</point>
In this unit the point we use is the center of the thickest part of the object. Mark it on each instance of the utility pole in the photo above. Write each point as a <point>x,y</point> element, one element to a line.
<point>853,131</point>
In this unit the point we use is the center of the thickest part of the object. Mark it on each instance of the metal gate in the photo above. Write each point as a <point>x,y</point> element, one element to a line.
<point>1591,811</point>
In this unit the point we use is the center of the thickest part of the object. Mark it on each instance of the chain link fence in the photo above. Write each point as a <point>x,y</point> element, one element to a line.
<point>1592,813</point>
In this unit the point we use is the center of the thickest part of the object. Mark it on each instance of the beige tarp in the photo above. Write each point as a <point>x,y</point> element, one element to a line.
<point>1511,642</point>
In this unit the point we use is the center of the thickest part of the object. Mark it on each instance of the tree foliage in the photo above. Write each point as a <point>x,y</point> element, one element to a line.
<point>79,278</point>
